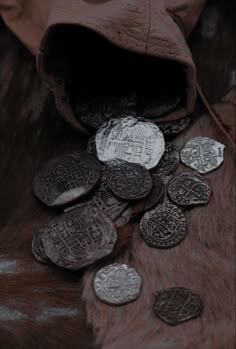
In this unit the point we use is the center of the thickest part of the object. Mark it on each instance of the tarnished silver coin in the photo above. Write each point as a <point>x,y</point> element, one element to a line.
<point>103,199</point>
<point>38,249</point>
<point>93,111</point>
<point>65,179</point>
<point>117,284</point>
<point>78,238</point>
<point>164,226</point>
<point>169,161</point>
<point>91,146</point>
<point>202,154</point>
<point>157,193</point>
<point>127,180</point>
<point>157,107</point>
<point>176,305</point>
<point>189,188</point>
<point>131,139</point>
<point>174,127</point>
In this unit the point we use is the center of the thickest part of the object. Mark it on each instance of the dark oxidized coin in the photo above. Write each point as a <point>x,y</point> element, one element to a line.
<point>189,188</point>
<point>66,179</point>
<point>91,146</point>
<point>154,108</point>
<point>93,111</point>
<point>164,226</point>
<point>79,238</point>
<point>203,154</point>
<point>156,194</point>
<point>117,284</point>
<point>174,127</point>
<point>103,199</point>
<point>128,181</point>
<point>176,305</point>
<point>38,249</point>
<point>169,161</point>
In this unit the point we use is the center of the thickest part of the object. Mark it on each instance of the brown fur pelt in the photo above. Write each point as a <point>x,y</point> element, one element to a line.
<point>44,307</point>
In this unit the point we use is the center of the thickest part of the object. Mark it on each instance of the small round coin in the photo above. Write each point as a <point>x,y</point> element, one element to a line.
<point>189,188</point>
<point>169,161</point>
<point>79,238</point>
<point>164,226</point>
<point>176,305</point>
<point>117,284</point>
<point>131,139</point>
<point>65,179</point>
<point>156,194</point>
<point>128,181</point>
<point>38,249</point>
<point>202,154</point>
<point>171,128</point>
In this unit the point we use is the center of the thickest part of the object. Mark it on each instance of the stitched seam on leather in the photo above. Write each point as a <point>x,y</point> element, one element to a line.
<point>149,11</point>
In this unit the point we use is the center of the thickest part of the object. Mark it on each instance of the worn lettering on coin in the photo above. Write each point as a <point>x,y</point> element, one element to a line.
<point>169,161</point>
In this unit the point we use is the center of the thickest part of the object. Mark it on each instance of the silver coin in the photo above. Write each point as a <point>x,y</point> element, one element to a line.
<point>127,180</point>
<point>189,188</point>
<point>65,179</point>
<point>38,249</point>
<point>117,284</point>
<point>176,305</point>
<point>78,238</point>
<point>169,161</point>
<point>164,226</point>
<point>103,199</point>
<point>202,154</point>
<point>131,139</point>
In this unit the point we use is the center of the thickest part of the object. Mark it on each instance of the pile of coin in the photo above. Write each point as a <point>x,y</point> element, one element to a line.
<point>128,163</point>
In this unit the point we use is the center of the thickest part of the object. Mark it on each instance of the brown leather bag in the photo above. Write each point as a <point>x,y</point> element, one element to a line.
<point>145,27</point>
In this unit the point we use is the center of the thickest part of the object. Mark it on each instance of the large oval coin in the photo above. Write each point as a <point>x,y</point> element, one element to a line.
<point>65,179</point>
<point>131,139</point>
<point>189,188</point>
<point>164,226</point>
<point>128,181</point>
<point>202,154</point>
<point>169,161</point>
<point>176,305</point>
<point>79,238</point>
<point>117,284</point>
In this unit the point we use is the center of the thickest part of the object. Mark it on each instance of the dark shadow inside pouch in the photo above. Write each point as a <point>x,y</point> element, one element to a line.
<point>89,65</point>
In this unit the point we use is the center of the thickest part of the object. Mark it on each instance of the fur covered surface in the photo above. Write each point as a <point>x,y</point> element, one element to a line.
<point>44,307</point>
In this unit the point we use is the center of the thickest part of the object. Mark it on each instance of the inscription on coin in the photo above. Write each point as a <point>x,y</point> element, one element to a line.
<point>164,226</point>
<point>66,179</point>
<point>176,305</point>
<point>169,161</point>
<point>131,139</point>
<point>117,284</point>
<point>103,199</point>
<point>127,180</point>
<point>189,188</point>
<point>202,154</point>
<point>78,238</point>
<point>38,249</point>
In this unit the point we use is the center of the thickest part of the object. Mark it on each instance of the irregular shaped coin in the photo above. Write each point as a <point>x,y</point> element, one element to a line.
<point>169,161</point>
<point>117,284</point>
<point>127,180</point>
<point>78,238</point>
<point>103,199</point>
<point>202,154</point>
<point>176,305</point>
<point>131,139</point>
<point>65,179</point>
<point>164,226</point>
<point>189,188</point>
<point>38,249</point>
